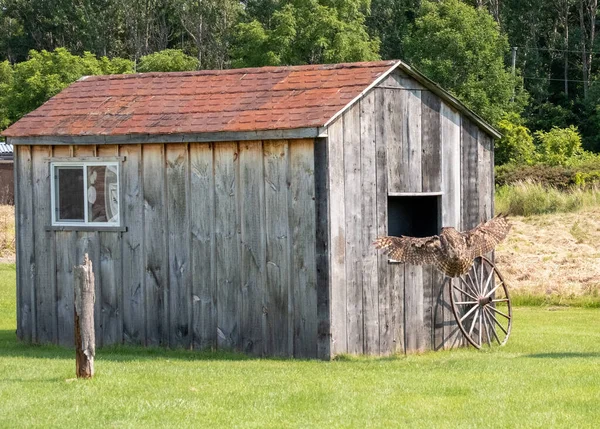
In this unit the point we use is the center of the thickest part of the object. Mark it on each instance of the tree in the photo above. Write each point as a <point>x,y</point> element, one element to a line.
<point>209,24</point>
<point>45,74</point>
<point>5,84</point>
<point>166,61</point>
<point>462,49</point>
<point>516,144</point>
<point>306,32</point>
<point>390,21</point>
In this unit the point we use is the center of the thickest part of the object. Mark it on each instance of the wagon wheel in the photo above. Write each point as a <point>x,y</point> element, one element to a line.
<point>481,305</point>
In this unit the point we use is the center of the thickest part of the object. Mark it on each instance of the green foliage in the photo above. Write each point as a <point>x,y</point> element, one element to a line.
<point>516,144</point>
<point>462,49</point>
<point>45,74</point>
<point>582,173</point>
<point>5,84</point>
<point>390,22</point>
<point>305,32</point>
<point>167,61</point>
<point>558,146</point>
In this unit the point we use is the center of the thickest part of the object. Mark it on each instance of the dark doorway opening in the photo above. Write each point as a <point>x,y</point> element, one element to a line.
<point>414,216</point>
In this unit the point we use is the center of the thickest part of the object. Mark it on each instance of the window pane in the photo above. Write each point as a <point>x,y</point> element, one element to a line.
<point>102,194</point>
<point>69,194</point>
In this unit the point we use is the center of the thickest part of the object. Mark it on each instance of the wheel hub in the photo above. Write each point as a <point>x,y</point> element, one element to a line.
<point>484,300</point>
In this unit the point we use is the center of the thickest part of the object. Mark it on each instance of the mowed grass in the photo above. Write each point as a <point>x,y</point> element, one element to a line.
<point>547,376</point>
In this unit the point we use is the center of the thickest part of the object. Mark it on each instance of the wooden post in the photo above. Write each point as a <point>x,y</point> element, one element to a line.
<point>85,339</point>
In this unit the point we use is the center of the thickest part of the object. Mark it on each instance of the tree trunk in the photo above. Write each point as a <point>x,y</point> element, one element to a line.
<point>584,66</point>
<point>85,338</point>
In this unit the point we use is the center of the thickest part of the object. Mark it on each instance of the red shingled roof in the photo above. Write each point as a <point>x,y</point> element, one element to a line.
<point>267,98</point>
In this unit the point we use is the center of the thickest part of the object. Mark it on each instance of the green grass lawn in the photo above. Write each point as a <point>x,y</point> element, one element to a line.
<point>547,376</point>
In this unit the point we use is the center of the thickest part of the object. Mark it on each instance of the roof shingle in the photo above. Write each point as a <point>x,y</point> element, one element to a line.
<point>267,98</point>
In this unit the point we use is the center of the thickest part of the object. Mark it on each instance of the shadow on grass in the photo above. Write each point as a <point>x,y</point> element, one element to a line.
<point>564,355</point>
<point>10,346</point>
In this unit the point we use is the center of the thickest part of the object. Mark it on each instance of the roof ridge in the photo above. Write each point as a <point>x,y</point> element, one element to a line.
<point>246,70</point>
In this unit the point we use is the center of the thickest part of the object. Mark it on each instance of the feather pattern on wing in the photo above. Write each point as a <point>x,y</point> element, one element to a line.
<point>413,250</point>
<point>483,238</point>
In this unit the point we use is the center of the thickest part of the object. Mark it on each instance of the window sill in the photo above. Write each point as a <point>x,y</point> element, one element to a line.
<point>88,228</point>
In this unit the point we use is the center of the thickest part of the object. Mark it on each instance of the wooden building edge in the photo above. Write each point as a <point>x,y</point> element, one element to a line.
<point>261,242</point>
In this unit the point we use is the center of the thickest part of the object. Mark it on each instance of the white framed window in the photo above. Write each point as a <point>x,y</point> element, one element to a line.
<point>85,193</point>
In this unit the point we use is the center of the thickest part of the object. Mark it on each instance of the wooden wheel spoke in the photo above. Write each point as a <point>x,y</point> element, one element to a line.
<point>474,292</point>
<point>498,323</point>
<point>500,300</point>
<point>475,307</point>
<point>466,302</point>
<point>491,325</point>
<point>499,312</point>
<point>480,326</point>
<point>474,282</point>
<point>480,280</point>
<point>474,321</point>
<point>465,292</point>
<point>488,281</point>
<point>494,290</point>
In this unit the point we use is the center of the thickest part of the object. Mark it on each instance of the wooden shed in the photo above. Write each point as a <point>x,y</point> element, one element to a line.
<point>237,208</point>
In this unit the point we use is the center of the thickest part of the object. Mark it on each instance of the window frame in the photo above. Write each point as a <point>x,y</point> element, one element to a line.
<point>440,201</point>
<point>83,164</point>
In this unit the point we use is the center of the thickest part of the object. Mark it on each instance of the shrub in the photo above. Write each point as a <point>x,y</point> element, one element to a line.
<point>558,146</point>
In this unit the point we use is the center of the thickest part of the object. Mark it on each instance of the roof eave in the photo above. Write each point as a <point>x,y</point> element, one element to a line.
<point>282,134</point>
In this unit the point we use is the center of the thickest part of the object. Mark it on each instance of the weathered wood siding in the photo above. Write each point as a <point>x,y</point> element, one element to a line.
<point>399,138</point>
<point>219,252</point>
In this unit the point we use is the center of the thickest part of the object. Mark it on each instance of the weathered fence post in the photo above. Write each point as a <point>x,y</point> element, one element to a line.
<point>85,338</point>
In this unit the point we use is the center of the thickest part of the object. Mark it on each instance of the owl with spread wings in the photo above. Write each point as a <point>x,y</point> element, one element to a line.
<point>452,252</point>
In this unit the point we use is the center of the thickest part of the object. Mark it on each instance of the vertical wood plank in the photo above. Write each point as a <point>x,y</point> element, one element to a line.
<point>384,142</point>
<point>253,240</point>
<point>353,194</point>
<point>278,303</point>
<point>431,157</point>
<point>156,258</point>
<point>411,173</point>
<point>486,186</point>
<point>26,322</point>
<point>65,248</point>
<point>45,294</point>
<point>302,228</point>
<point>393,116</point>
<point>110,273</point>
<point>178,224</point>
<point>337,238</point>
<point>322,248</point>
<point>202,221</point>
<point>227,244</point>
<point>470,176</point>
<point>431,160</point>
<point>446,333</point>
<point>132,245</point>
<point>368,186</point>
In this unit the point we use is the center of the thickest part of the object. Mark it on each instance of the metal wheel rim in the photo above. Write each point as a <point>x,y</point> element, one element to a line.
<point>480,322</point>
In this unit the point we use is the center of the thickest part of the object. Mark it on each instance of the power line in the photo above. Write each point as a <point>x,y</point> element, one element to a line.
<point>554,79</point>
<point>554,50</point>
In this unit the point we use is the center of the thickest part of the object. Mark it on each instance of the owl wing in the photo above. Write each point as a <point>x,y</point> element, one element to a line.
<point>484,237</point>
<point>414,250</point>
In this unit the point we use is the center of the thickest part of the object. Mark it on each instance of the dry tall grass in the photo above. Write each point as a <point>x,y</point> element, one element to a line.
<point>7,232</point>
<point>530,198</point>
<point>555,256</point>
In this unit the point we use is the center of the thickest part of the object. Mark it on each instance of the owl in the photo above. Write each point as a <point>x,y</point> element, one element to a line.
<point>452,252</point>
